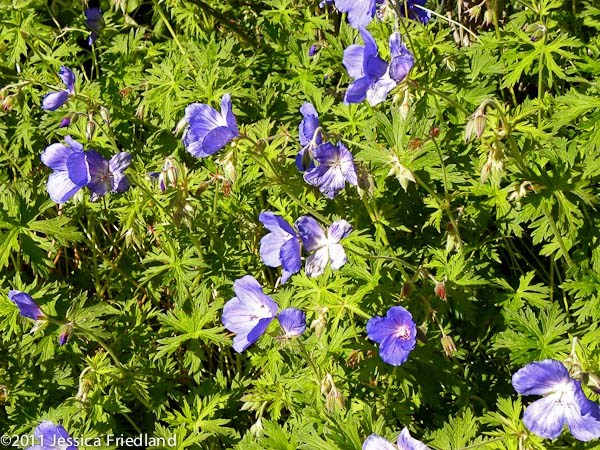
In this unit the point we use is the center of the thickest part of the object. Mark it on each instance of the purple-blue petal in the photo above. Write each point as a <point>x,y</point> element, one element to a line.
<point>292,321</point>
<point>545,418</point>
<point>402,59</point>
<point>289,254</point>
<point>47,433</point>
<point>338,230</point>
<point>77,168</point>
<point>317,262</point>
<point>360,12</point>
<point>376,442</point>
<point>54,100</point>
<point>396,334</point>
<point>60,187</point>
<point>312,234</point>
<point>357,90</point>
<point>227,112</point>
<point>540,378</point>
<point>68,78</point>
<point>27,307</point>
<point>308,125</point>
<point>353,60</point>
<point>407,442</point>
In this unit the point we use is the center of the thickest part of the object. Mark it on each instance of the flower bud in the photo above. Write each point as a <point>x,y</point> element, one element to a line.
<point>65,333</point>
<point>366,183</point>
<point>3,393</point>
<point>65,122</point>
<point>90,128</point>
<point>319,323</point>
<point>440,290</point>
<point>105,114</point>
<point>448,345</point>
<point>406,289</point>
<point>402,173</point>
<point>334,399</point>
<point>476,124</point>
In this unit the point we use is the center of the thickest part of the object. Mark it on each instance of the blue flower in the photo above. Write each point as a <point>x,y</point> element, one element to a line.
<point>360,12</point>
<point>249,313</point>
<point>292,322</point>
<point>52,437</point>
<point>396,334</point>
<point>27,307</point>
<point>374,78</point>
<point>107,176</point>
<point>310,137</point>
<point>369,70</point>
<point>71,171</point>
<point>281,247</point>
<point>563,402</point>
<point>402,59</point>
<point>95,21</point>
<point>55,100</point>
<point>414,12</point>
<point>336,166</point>
<point>208,129</point>
<point>326,246</point>
<point>312,51</point>
<point>405,442</point>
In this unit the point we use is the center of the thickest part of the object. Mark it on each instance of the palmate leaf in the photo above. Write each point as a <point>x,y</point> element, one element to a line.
<point>534,336</point>
<point>460,431</point>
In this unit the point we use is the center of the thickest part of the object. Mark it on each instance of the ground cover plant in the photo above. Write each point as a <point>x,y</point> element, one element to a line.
<point>289,224</point>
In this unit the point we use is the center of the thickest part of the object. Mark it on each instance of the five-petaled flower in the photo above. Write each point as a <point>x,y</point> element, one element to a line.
<point>405,442</point>
<point>281,247</point>
<point>52,437</point>
<point>563,402</point>
<point>95,21</point>
<point>249,313</point>
<point>336,166</point>
<point>292,322</point>
<point>209,130</point>
<point>396,334</point>
<point>325,245</point>
<point>107,176</point>
<point>374,78</point>
<point>27,307</point>
<point>55,100</point>
<point>310,137</point>
<point>71,171</point>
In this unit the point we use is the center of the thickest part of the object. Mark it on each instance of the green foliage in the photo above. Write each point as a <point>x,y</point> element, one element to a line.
<point>476,210</point>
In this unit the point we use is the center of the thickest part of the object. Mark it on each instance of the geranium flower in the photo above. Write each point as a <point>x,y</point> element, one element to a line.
<point>249,313</point>
<point>292,322</point>
<point>405,442</point>
<point>336,166</point>
<point>310,138</point>
<point>396,334</point>
<point>95,21</point>
<point>563,402</point>
<point>27,307</point>
<point>71,171</point>
<point>281,247</point>
<point>52,437</point>
<point>107,176</point>
<point>55,100</point>
<point>360,12</point>
<point>369,70</point>
<point>326,246</point>
<point>208,129</point>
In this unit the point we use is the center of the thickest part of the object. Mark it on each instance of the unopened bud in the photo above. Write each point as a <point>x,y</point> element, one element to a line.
<point>257,430</point>
<point>476,124</point>
<point>406,289</point>
<point>228,164</point>
<point>139,112</point>
<point>7,103</point>
<point>65,122</point>
<point>105,114</point>
<point>319,323</point>
<point>90,128</point>
<point>366,183</point>
<point>3,393</point>
<point>448,345</point>
<point>356,356</point>
<point>440,290</point>
<point>334,399</point>
<point>65,333</point>
<point>85,385</point>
